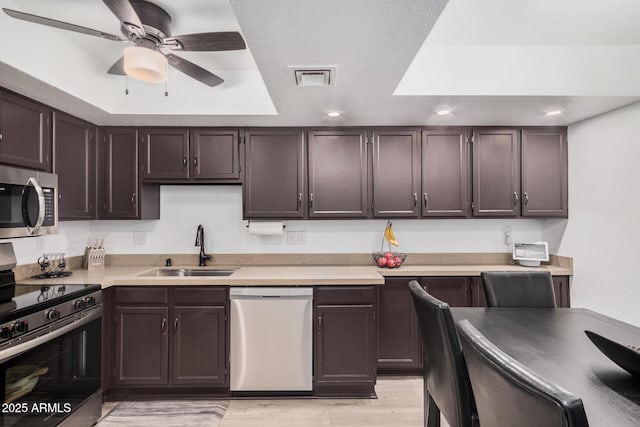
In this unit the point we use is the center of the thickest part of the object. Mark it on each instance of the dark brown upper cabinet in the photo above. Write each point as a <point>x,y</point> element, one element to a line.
<point>25,132</point>
<point>274,180</point>
<point>337,174</point>
<point>496,172</point>
<point>445,178</point>
<point>124,197</point>
<point>396,173</point>
<point>164,154</point>
<point>544,172</point>
<point>215,155</point>
<point>74,160</point>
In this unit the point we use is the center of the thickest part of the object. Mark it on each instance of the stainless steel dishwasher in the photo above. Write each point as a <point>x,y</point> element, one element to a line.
<point>271,339</point>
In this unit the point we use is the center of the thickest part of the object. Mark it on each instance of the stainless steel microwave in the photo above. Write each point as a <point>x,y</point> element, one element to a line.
<point>27,202</point>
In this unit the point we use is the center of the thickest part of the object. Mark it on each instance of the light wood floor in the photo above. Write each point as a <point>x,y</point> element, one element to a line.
<point>399,404</point>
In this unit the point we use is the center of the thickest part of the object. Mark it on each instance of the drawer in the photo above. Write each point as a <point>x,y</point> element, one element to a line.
<point>142,295</point>
<point>344,295</point>
<point>200,295</point>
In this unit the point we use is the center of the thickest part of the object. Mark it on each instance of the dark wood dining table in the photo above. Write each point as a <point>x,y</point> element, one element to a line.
<point>552,343</point>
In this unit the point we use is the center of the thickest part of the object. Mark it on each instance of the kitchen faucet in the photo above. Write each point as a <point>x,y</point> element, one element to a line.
<point>200,242</point>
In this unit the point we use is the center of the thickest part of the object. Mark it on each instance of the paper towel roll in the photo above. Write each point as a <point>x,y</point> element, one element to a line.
<point>266,228</point>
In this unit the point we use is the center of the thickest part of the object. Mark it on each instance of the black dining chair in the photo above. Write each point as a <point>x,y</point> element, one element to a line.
<point>507,393</point>
<point>446,382</point>
<point>518,289</point>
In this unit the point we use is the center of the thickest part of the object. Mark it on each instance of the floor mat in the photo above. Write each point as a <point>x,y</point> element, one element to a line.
<point>167,413</point>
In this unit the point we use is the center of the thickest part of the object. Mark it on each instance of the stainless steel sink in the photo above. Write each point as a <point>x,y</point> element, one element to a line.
<point>188,272</point>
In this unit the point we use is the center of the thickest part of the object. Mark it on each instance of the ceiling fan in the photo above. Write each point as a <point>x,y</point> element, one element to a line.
<point>148,26</point>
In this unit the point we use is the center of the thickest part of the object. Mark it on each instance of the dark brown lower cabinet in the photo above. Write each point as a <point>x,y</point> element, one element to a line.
<point>456,291</point>
<point>560,287</point>
<point>141,346</point>
<point>168,340</point>
<point>345,360</point>
<point>399,342</point>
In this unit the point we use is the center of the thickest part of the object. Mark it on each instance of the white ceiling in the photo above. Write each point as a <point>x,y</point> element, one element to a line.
<point>490,61</point>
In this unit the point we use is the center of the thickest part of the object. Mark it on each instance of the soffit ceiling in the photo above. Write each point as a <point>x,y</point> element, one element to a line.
<point>398,62</point>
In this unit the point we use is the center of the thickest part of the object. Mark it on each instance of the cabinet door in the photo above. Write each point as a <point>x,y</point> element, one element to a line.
<point>496,172</point>
<point>121,173</point>
<point>74,160</point>
<point>274,175</point>
<point>25,132</point>
<point>478,297</point>
<point>455,291</point>
<point>141,345</point>
<point>399,341</point>
<point>337,174</point>
<point>165,154</point>
<point>561,289</point>
<point>396,173</point>
<point>445,182</point>
<point>544,172</point>
<point>345,344</point>
<point>215,155</point>
<point>199,346</point>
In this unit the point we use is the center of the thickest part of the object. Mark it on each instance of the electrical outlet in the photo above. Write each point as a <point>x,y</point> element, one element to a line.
<point>291,238</point>
<point>302,237</point>
<point>139,237</point>
<point>507,236</point>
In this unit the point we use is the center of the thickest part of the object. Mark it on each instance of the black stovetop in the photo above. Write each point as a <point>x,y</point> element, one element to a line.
<point>33,298</point>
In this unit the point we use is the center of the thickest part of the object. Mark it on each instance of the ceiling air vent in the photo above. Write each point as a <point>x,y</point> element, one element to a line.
<point>314,76</point>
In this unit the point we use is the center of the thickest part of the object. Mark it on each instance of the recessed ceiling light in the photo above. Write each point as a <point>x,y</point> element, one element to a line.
<point>443,112</point>
<point>334,114</point>
<point>553,113</point>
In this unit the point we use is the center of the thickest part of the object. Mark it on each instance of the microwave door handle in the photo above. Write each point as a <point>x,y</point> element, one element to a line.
<point>41,205</point>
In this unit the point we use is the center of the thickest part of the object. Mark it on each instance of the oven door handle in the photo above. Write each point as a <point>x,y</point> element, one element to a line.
<point>41,206</point>
<point>33,343</point>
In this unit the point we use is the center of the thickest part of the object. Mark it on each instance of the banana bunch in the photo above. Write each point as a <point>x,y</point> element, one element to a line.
<point>388,234</point>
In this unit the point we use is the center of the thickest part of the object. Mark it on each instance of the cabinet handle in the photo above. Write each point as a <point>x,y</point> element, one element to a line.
<point>515,198</point>
<point>133,200</point>
<point>163,327</point>
<point>239,162</point>
<point>415,199</point>
<point>59,196</point>
<point>310,200</point>
<point>425,199</point>
<point>525,198</point>
<point>185,162</point>
<point>299,200</point>
<point>175,325</point>
<point>319,324</point>
<point>0,136</point>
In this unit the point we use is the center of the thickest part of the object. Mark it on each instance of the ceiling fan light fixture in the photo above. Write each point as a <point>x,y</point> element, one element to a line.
<point>145,64</point>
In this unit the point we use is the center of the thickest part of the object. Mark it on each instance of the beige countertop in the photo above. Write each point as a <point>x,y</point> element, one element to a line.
<point>280,275</point>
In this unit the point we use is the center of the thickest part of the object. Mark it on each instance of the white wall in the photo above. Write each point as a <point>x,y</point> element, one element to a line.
<point>603,229</point>
<point>219,209</point>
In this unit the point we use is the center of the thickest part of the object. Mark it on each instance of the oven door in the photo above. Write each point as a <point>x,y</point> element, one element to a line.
<point>54,377</point>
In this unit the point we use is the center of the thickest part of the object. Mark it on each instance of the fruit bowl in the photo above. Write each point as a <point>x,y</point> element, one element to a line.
<point>389,259</point>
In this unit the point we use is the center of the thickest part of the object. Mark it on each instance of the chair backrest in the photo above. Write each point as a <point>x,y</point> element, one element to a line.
<point>509,394</point>
<point>518,289</point>
<point>445,373</point>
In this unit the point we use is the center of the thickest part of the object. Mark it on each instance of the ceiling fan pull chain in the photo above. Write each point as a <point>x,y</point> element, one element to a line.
<point>166,82</point>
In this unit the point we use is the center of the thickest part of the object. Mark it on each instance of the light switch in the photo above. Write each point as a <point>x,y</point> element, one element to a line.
<point>139,237</point>
<point>302,237</point>
<point>292,238</point>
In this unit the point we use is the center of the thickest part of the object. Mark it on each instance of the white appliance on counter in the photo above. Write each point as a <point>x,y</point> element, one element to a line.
<point>271,339</point>
<point>530,254</point>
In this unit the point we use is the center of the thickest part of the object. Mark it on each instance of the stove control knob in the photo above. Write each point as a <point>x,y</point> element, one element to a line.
<point>52,314</point>
<point>89,301</point>
<point>19,326</point>
<point>79,304</point>
<point>5,332</point>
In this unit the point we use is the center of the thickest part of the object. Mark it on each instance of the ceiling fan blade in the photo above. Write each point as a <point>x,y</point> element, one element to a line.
<point>123,10</point>
<point>193,70</point>
<point>207,42</point>
<point>117,68</point>
<point>59,24</point>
